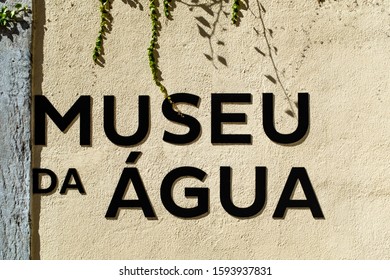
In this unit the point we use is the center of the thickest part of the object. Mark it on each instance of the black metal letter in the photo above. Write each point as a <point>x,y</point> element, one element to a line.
<point>143,122</point>
<point>226,193</point>
<point>303,119</point>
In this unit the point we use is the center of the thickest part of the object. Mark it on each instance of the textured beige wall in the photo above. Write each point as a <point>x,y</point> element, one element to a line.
<point>338,52</point>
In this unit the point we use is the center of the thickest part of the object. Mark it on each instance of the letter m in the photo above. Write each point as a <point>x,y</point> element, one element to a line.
<point>43,107</point>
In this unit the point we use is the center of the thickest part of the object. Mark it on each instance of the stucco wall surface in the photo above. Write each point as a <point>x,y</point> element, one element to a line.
<point>338,52</point>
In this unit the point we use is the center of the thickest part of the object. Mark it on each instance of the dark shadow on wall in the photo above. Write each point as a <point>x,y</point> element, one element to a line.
<point>12,30</point>
<point>38,32</point>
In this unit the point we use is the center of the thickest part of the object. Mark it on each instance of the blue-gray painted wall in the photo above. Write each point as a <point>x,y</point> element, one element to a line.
<point>15,148</point>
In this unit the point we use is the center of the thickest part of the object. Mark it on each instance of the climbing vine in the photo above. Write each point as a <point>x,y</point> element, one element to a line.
<point>105,17</point>
<point>152,47</point>
<point>235,8</point>
<point>152,50</point>
<point>8,16</point>
<point>167,12</point>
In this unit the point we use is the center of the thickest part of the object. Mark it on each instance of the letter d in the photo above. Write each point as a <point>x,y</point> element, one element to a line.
<point>37,174</point>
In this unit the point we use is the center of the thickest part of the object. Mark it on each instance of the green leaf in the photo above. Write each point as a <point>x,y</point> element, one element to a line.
<point>18,6</point>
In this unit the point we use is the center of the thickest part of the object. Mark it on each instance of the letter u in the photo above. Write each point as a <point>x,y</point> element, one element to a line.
<point>143,122</point>
<point>303,119</point>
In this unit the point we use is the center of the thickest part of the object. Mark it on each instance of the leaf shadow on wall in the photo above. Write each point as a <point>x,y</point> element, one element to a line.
<point>208,22</point>
<point>106,30</point>
<point>134,4</point>
<point>268,34</point>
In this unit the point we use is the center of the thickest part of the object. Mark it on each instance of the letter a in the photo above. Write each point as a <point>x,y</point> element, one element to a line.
<point>130,175</point>
<point>285,201</point>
